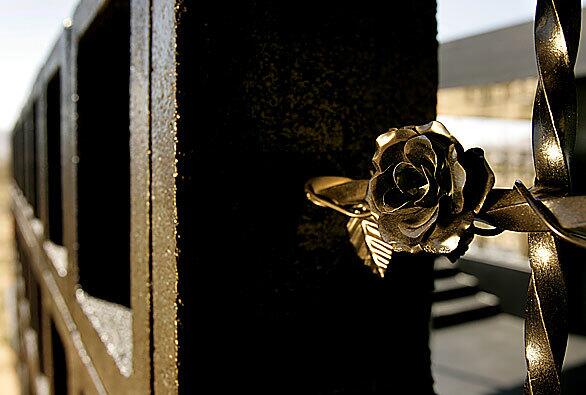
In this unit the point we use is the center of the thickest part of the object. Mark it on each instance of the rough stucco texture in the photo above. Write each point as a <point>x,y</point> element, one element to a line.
<point>272,296</point>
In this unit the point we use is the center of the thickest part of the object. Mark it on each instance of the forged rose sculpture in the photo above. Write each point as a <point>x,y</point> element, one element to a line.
<point>426,190</point>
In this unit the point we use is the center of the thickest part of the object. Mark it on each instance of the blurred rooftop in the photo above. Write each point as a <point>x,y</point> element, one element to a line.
<point>497,56</point>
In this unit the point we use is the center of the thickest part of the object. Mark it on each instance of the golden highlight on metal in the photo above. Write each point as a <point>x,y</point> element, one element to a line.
<point>426,194</point>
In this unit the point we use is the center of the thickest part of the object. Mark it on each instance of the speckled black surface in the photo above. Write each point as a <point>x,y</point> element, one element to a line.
<point>272,296</point>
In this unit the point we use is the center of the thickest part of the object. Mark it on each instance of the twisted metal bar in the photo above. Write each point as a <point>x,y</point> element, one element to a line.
<point>557,33</point>
<point>549,219</point>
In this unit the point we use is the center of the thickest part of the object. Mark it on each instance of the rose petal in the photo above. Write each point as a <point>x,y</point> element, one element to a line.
<point>419,151</point>
<point>394,136</point>
<point>444,177</point>
<point>388,139</point>
<point>477,187</point>
<point>446,238</point>
<point>410,181</point>
<point>392,156</point>
<point>458,178</point>
<point>436,127</point>
<point>419,223</point>
<point>389,228</point>
<point>393,199</point>
<point>383,196</point>
<point>431,196</point>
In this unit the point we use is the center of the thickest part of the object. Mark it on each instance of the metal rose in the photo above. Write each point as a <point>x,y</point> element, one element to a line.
<point>426,190</point>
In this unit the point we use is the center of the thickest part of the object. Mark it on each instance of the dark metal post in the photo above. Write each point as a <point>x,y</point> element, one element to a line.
<point>254,289</point>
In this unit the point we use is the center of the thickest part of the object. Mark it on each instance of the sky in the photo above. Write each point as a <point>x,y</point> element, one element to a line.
<point>28,29</point>
<point>461,18</point>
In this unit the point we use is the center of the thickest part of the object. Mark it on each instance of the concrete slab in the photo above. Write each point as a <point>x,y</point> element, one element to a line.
<point>486,357</point>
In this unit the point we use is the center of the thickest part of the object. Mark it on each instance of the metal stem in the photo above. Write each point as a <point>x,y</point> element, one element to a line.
<point>557,33</point>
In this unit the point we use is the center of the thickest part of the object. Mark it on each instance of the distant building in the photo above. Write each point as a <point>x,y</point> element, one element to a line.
<point>494,74</point>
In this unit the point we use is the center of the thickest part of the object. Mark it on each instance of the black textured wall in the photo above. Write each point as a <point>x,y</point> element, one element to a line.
<point>272,296</point>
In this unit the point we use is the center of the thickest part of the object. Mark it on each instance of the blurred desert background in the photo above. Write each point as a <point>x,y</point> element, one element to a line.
<point>8,367</point>
<point>27,31</point>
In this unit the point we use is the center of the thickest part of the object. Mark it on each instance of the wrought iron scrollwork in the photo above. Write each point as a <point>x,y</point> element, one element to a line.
<point>427,194</point>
